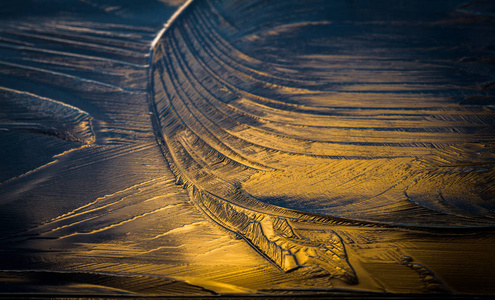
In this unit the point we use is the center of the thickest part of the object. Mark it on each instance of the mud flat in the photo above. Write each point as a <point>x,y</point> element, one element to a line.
<point>247,147</point>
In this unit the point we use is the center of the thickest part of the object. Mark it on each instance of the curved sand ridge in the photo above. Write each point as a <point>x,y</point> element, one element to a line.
<point>281,121</point>
<point>32,113</point>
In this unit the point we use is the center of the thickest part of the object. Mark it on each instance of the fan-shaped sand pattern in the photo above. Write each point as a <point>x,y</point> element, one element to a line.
<point>257,136</point>
<point>334,147</point>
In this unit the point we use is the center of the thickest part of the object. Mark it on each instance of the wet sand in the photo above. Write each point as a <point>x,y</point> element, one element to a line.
<point>261,147</point>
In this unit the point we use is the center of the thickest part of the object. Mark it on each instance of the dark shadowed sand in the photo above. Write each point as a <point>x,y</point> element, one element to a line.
<point>164,148</point>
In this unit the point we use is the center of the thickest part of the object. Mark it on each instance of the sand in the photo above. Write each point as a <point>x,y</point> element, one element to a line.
<point>253,147</point>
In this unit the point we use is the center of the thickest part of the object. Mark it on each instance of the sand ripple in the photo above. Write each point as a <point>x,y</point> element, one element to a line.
<point>272,125</point>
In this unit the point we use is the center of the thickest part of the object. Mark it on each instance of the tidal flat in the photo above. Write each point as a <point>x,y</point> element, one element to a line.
<point>247,148</point>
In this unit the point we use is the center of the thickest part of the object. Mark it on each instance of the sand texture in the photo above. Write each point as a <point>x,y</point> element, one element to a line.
<point>170,148</point>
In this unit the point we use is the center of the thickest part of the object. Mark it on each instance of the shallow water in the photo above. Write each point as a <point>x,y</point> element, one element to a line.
<point>247,147</point>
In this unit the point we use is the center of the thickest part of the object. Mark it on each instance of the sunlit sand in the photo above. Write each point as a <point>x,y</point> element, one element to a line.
<point>247,147</point>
